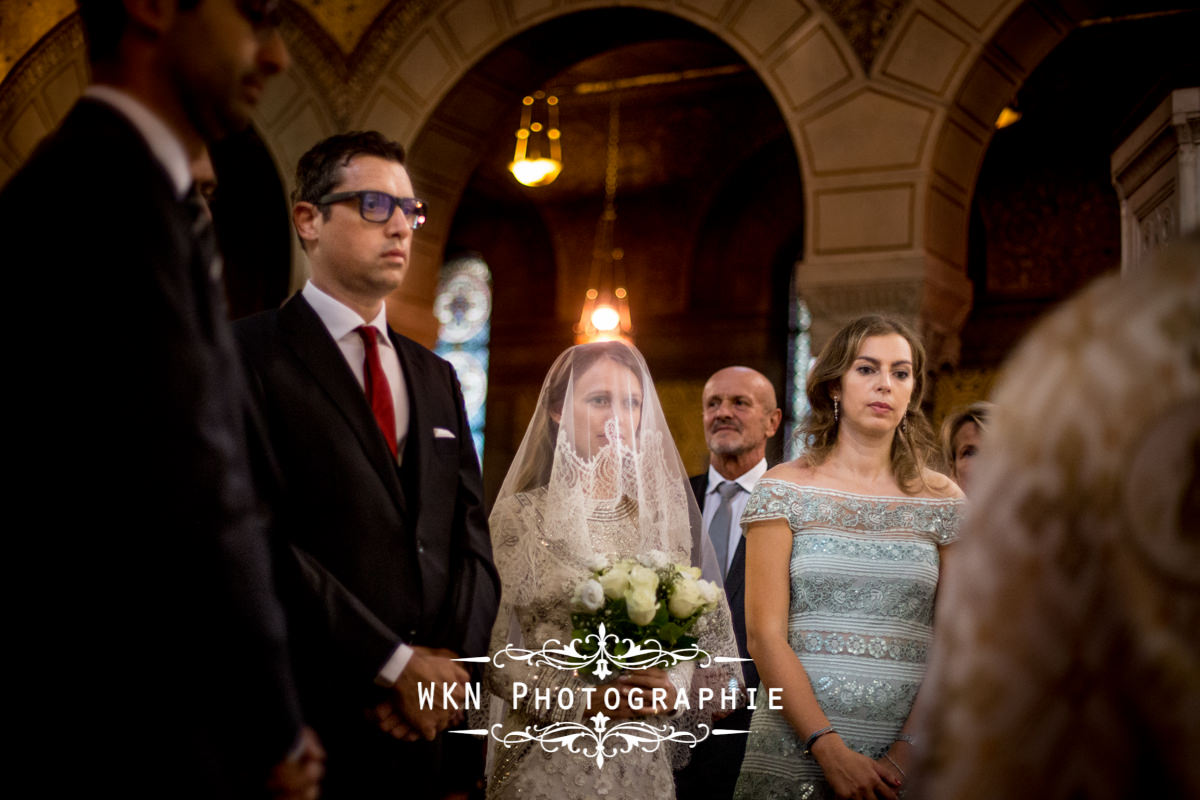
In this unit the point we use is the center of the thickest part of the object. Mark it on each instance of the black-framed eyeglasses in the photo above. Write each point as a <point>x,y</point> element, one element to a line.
<point>378,206</point>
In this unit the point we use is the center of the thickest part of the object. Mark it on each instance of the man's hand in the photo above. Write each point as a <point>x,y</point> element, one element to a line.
<point>298,777</point>
<point>429,667</point>
<point>389,719</point>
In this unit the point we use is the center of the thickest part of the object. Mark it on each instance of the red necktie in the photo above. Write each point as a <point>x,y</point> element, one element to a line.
<point>376,386</point>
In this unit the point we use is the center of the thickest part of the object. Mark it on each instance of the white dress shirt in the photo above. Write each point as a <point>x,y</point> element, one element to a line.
<point>737,503</point>
<point>343,322</point>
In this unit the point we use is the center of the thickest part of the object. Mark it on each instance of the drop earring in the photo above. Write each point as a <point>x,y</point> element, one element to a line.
<point>904,423</point>
<point>835,409</point>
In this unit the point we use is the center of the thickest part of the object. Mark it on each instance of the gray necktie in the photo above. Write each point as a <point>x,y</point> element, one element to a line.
<point>718,529</point>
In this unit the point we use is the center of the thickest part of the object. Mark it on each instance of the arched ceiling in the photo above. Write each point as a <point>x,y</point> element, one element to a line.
<point>24,24</point>
<point>346,22</point>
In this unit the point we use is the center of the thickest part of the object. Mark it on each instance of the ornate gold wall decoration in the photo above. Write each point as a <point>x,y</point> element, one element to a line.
<point>866,23</point>
<point>346,21</point>
<point>24,24</point>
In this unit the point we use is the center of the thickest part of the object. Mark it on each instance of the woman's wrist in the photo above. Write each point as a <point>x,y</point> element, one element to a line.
<point>822,741</point>
<point>902,747</point>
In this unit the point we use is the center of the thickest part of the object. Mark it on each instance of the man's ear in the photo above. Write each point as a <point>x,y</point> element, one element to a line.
<point>152,15</point>
<point>773,420</point>
<point>307,219</point>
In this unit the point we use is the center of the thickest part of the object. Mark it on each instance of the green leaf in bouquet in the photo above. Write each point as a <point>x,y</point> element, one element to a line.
<point>661,616</point>
<point>685,642</point>
<point>669,634</point>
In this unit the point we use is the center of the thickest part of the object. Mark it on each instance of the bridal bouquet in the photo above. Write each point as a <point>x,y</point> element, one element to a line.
<point>645,604</point>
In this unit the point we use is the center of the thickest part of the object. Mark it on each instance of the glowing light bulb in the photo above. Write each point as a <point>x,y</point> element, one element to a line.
<point>606,318</point>
<point>535,171</point>
<point>1008,115</point>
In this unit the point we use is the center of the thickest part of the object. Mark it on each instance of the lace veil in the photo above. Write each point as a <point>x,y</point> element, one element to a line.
<point>598,476</point>
<point>631,455</point>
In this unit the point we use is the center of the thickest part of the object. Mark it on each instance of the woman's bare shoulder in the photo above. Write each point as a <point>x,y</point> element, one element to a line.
<point>939,486</point>
<point>797,471</point>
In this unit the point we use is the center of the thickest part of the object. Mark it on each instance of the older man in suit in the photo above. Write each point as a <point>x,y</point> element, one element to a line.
<point>148,607</point>
<point>381,497</point>
<point>740,415</point>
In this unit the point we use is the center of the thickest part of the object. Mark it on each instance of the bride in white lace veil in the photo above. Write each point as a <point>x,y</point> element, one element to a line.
<point>597,477</point>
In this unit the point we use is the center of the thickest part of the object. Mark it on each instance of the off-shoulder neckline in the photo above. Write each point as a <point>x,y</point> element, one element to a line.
<point>885,497</point>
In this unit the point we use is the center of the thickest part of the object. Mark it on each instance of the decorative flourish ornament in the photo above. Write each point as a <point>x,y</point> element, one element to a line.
<point>637,656</point>
<point>598,742</point>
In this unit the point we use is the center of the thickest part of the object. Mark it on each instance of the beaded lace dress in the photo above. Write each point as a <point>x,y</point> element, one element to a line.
<point>864,574</point>
<point>569,501</point>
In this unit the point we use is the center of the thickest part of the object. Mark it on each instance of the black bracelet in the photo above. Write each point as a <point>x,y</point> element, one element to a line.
<point>814,736</point>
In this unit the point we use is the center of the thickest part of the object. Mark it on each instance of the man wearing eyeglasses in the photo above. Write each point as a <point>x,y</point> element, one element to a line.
<point>148,635</point>
<point>381,498</point>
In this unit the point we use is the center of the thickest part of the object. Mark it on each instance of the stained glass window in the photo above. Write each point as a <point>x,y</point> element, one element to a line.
<point>800,360</point>
<point>463,307</point>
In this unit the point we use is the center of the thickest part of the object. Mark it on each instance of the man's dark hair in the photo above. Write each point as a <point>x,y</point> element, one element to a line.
<point>104,24</point>
<point>320,169</point>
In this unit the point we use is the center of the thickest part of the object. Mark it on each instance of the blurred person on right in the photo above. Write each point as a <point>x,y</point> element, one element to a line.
<point>1067,663</point>
<point>961,435</point>
<point>845,548</point>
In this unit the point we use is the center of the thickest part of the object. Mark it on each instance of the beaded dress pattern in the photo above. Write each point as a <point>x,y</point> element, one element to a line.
<point>863,574</point>
<point>544,570</point>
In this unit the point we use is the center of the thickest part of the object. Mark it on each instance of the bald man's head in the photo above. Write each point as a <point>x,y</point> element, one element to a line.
<point>740,414</point>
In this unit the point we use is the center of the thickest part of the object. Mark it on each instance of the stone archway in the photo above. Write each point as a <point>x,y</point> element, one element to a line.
<point>889,110</point>
<point>429,93</point>
<point>988,81</point>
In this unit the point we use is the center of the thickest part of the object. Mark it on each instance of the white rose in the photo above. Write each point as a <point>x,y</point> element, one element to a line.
<point>655,559</point>
<point>692,572</point>
<point>685,599</point>
<point>614,582</point>
<point>710,593</point>
<point>589,596</point>
<point>643,578</point>
<point>597,563</point>
<point>642,604</point>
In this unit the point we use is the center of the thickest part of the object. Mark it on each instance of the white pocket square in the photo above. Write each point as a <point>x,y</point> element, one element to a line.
<point>443,433</point>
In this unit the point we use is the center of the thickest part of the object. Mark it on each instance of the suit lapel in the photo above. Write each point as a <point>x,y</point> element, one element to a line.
<point>307,337</point>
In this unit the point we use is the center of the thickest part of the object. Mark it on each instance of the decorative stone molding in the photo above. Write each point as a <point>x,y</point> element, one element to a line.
<point>833,305</point>
<point>866,23</point>
<point>1156,173</point>
<point>38,92</point>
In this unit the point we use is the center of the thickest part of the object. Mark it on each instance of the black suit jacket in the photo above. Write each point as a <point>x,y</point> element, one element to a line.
<point>385,554</point>
<point>735,587</point>
<point>147,605</point>
<point>715,763</point>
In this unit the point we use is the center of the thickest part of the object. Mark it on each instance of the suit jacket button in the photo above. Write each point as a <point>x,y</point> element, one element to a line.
<point>412,634</point>
<point>420,547</point>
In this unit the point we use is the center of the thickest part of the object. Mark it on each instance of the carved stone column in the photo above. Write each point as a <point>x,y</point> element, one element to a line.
<point>1157,177</point>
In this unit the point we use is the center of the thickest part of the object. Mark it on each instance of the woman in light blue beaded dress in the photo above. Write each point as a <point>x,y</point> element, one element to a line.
<point>844,550</point>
